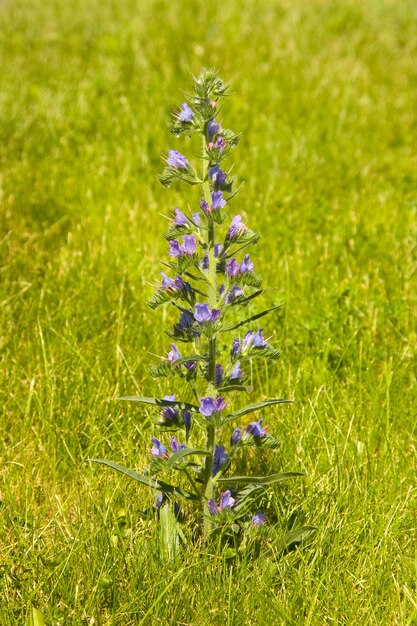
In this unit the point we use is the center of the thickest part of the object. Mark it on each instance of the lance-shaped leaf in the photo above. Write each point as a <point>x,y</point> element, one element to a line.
<point>175,231</point>
<point>162,296</point>
<point>265,352</point>
<point>260,480</point>
<point>147,480</point>
<point>228,327</point>
<point>174,460</point>
<point>250,408</point>
<point>227,388</point>
<point>246,496</point>
<point>159,403</point>
<point>246,299</point>
<point>294,537</point>
<point>266,441</point>
<point>248,279</point>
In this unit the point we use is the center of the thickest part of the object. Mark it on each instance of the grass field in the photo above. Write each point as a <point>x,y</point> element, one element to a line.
<point>325,94</point>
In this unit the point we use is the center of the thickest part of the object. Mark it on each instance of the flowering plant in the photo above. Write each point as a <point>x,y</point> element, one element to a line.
<point>207,281</point>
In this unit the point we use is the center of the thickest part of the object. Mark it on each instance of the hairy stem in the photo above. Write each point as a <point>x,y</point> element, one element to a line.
<point>212,301</point>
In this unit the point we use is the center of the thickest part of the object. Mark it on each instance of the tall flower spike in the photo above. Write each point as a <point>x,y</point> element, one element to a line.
<point>209,288</point>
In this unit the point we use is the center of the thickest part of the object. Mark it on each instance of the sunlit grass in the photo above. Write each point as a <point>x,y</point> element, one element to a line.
<point>325,94</point>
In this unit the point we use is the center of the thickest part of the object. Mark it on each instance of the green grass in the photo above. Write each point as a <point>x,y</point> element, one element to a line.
<point>325,95</point>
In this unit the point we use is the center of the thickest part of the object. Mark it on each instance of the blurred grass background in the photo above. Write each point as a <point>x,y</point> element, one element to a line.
<point>325,95</point>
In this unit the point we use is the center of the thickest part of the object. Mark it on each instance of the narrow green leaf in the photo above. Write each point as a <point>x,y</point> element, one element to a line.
<point>267,442</point>
<point>228,388</point>
<point>181,454</point>
<point>260,480</point>
<point>246,496</point>
<point>246,299</point>
<point>250,408</point>
<point>168,529</point>
<point>35,618</point>
<point>158,402</point>
<point>146,480</point>
<point>250,319</point>
<point>294,537</point>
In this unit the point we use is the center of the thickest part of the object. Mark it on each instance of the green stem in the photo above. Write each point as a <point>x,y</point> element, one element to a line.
<point>212,302</point>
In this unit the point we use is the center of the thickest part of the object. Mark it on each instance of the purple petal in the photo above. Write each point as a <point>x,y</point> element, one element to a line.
<point>212,507</point>
<point>258,519</point>
<point>226,501</point>
<point>177,160</point>
<point>186,114</point>
<point>173,354</point>
<point>236,372</point>
<point>189,244</point>
<point>202,313</point>
<point>175,249</point>
<point>217,200</point>
<point>218,375</point>
<point>246,266</point>
<point>217,176</point>
<point>235,348</point>
<point>180,219</point>
<point>237,227</point>
<point>258,340</point>
<point>236,436</point>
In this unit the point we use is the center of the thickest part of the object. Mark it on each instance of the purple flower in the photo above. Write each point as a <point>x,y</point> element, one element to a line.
<point>204,206</point>
<point>175,248</point>
<point>186,114</point>
<point>233,294</point>
<point>190,244</point>
<point>170,413</point>
<point>177,160</point>
<point>158,449</point>
<point>246,266</point>
<point>248,340</point>
<point>173,354</point>
<point>217,200</point>
<point>190,365</point>
<point>203,314</point>
<point>235,348</point>
<point>212,507</point>
<point>258,340</point>
<point>237,228</point>
<point>226,501</point>
<point>236,373</point>
<point>218,249</point>
<point>255,428</point>
<point>210,406</point>
<point>232,268</point>
<point>236,436</point>
<point>258,519</point>
<point>219,458</point>
<point>217,176</point>
<point>196,218</point>
<point>218,375</point>
<point>176,284</point>
<point>220,144</point>
<point>213,129</point>
<point>175,446</point>
<point>185,322</point>
<point>180,219</point>
<point>186,418</point>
